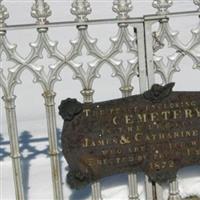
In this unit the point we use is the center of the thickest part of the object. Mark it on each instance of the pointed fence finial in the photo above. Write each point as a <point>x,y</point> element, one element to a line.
<point>3,15</point>
<point>81,8</point>
<point>41,11</point>
<point>162,5</point>
<point>197,2</point>
<point>122,8</point>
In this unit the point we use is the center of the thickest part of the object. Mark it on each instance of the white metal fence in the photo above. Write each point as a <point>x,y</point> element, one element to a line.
<point>142,42</point>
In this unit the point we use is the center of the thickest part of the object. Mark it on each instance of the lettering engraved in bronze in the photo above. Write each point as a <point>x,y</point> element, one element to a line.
<point>157,132</point>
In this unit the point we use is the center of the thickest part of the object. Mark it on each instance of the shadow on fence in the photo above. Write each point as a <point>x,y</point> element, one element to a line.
<point>30,150</point>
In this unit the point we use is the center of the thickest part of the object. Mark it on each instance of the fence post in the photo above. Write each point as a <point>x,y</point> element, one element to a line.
<point>53,148</point>
<point>162,6</point>
<point>140,31</point>
<point>96,186</point>
<point>149,52</point>
<point>122,8</point>
<point>174,191</point>
<point>14,145</point>
<point>12,122</point>
<point>81,9</point>
<point>41,11</point>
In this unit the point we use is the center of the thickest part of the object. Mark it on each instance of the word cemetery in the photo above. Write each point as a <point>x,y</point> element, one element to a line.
<point>157,132</point>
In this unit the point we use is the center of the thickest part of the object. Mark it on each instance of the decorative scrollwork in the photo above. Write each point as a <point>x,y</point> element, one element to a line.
<point>8,83</point>
<point>86,76</point>
<point>197,2</point>
<point>165,33</point>
<point>166,72</point>
<point>43,42</point>
<point>46,80</point>
<point>3,14</point>
<point>158,92</point>
<point>125,75</point>
<point>192,47</point>
<point>87,73</point>
<point>41,11</point>
<point>69,108</point>
<point>122,8</point>
<point>162,5</point>
<point>81,8</point>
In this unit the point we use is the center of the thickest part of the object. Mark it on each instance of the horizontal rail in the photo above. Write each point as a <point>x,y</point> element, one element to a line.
<point>172,14</point>
<point>99,21</point>
<point>142,42</point>
<point>72,23</point>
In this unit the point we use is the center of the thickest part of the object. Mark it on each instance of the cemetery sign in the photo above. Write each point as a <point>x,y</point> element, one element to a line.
<point>157,132</point>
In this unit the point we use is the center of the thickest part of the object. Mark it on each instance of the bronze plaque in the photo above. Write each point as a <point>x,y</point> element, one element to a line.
<point>157,132</point>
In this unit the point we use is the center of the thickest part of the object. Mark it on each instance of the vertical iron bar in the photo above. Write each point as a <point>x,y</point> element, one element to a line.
<point>96,186</point>
<point>96,191</point>
<point>133,186</point>
<point>41,11</point>
<point>151,81</point>
<point>162,7</point>
<point>14,145</point>
<point>132,177</point>
<point>148,188</point>
<point>140,30</point>
<point>141,58</point>
<point>149,52</point>
<point>53,148</point>
<point>174,191</point>
<point>159,191</point>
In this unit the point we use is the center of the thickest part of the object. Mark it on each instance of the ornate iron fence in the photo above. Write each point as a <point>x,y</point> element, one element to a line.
<point>27,144</point>
<point>141,41</point>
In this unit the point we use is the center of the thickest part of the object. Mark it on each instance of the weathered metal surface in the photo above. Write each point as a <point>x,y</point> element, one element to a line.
<point>157,132</point>
<point>143,45</point>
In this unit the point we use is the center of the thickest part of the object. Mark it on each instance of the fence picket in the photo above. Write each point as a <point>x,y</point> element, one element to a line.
<point>143,44</point>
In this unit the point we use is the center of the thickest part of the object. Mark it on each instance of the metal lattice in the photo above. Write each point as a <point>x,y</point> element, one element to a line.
<point>134,36</point>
